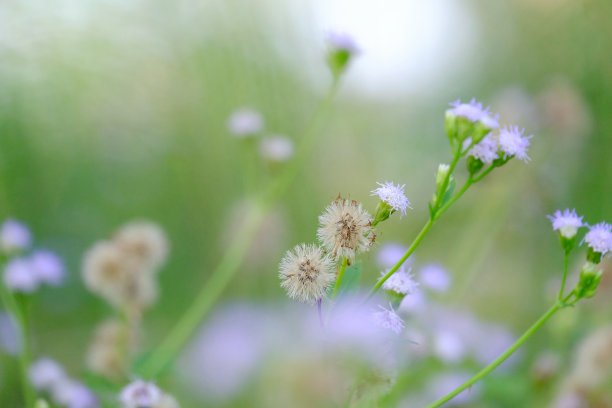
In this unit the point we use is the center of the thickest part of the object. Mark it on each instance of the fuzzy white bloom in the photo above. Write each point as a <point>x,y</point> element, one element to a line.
<point>46,374</point>
<point>388,319</point>
<point>306,273</point>
<point>513,144</point>
<point>599,238</point>
<point>401,282</point>
<point>14,236</point>
<point>140,394</point>
<point>486,150</point>
<point>345,229</point>
<point>245,122</point>
<point>393,195</point>
<point>276,148</point>
<point>19,276</point>
<point>144,241</point>
<point>566,222</point>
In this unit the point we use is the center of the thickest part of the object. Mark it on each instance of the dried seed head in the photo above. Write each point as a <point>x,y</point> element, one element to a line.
<point>306,273</point>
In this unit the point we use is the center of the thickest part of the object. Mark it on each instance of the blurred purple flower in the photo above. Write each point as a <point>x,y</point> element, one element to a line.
<point>390,253</point>
<point>9,335</point>
<point>14,236</point>
<point>342,41</point>
<point>435,277</point>
<point>19,276</point>
<point>48,267</point>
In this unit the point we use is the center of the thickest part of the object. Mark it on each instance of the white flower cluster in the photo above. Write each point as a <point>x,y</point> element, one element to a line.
<point>393,195</point>
<point>507,143</point>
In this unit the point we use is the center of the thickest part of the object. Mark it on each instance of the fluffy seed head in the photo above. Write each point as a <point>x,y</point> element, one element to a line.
<point>599,238</point>
<point>513,144</point>
<point>306,273</point>
<point>401,282</point>
<point>393,195</point>
<point>143,241</point>
<point>345,229</point>
<point>106,353</point>
<point>566,222</point>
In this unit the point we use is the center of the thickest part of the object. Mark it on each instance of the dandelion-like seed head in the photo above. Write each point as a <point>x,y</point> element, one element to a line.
<point>393,195</point>
<point>306,273</point>
<point>401,282</point>
<point>513,144</point>
<point>599,238</point>
<point>140,394</point>
<point>105,354</point>
<point>567,222</point>
<point>388,319</point>
<point>143,241</point>
<point>345,229</point>
<point>486,150</point>
<point>245,122</point>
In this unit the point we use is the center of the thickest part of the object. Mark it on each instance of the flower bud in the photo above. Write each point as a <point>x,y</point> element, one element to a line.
<point>342,48</point>
<point>474,165</point>
<point>590,277</point>
<point>443,170</point>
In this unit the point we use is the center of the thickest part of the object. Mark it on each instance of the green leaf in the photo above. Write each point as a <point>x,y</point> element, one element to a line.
<point>350,281</point>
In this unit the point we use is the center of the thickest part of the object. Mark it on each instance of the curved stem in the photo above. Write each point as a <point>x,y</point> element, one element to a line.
<point>339,277</point>
<point>231,261</point>
<point>503,357</point>
<point>409,252</point>
<point>565,269</point>
<point>456,197</point>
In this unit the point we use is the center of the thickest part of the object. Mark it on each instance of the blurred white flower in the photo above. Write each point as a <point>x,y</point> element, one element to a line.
<point>388,319</point>
<point>46,374</point>
<point>144,241</point>
<point>245,122</point>
<point>435,277</point>
<point>401,282</point>
<point>276,148</point>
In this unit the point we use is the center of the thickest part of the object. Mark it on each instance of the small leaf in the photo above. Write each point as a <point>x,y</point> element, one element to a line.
<point>350,281</point>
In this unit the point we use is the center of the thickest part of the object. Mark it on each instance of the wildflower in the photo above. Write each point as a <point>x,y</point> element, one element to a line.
<point>48,267</point>
<point>10,342</point>
<point>306,273</point>
<point>393,196</point>
<point>435,277</point>
<point>448,346</point>
<point>413,303</point>
<point>566,222</point>
<point>345,229</point>
<point>19,276</point>
<point>599,238</point>
<point>245,122</point>
<point>486,150</point>
<point>105,270</point>
<point>46,374</point>
<point>276,148</point>
<point>14,236</point>
<point>73,394</point>
<point>401,282</point>
<point>140,394</point>
<point>388,319</point>
<point>144,241</point>
<point>106,354</point>
<point>441,174</point>
<point>342,48</point>
<point>513,144</point>
<point>590,278</point>
<point>474,112</point>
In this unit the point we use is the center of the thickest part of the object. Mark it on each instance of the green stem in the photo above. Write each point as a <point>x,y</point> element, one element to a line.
<point>231,261</point>
<point>456,197</point>
<point>565,269</point>
<point>503,357</point>
<point>409,252</point>
<point>339,277</point>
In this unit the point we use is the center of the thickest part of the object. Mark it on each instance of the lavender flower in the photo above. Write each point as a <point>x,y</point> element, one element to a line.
<point>46,374</point>
<point>73,394</point>
<point>342,41</point>
<point>10,342</point>
<point>393,195</point>
<point>19,276</point>
<point>140,394</point>
<point>474,112</point>
<point>14,236</point>
<point>486,150</point>
<point>513,144</point>
<point>388,319</point>
<point>401,282</point>
<point>566,222</point>
<point>390,253</point>
<point>599,238</point>
<point>245,122</point>
<point>48,267</point>
<point>435,277</point>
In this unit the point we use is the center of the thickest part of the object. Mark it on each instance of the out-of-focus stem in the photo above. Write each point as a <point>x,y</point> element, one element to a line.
<point>565,269</point>
<point>339,277</point>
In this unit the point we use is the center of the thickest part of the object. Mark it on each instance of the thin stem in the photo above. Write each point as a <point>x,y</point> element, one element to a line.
<point>451,169</point>
<point>483,174</point>
<point>339,277</point>
<point>503,357</point>
<point>565,269</point>
<point>320,312</point>
<point>409,252</point>
<point>456,197</point>
<point>231,261</point>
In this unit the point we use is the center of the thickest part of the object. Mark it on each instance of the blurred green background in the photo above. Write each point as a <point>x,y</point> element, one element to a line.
<point>111,111</point>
